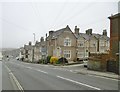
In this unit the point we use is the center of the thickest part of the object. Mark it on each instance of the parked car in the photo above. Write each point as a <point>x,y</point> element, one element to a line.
<point>17,58</point>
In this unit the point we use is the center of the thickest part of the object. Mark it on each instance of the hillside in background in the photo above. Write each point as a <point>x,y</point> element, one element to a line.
<point>10,52</point>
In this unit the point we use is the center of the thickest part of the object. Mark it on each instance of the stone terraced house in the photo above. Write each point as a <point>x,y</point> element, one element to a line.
<point>64,42</point>
<point>40,50</point>
<point>91,43</point>
<point>28,52</point>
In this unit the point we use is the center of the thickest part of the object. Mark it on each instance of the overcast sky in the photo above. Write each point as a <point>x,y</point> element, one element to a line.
<point>19,20</point>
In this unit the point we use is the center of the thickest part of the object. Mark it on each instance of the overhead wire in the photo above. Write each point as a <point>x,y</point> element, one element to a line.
<point>36,12</point>
<point>18,26</point>
<point>59,14</point>
<point>74,7</point>
<point>78,13</point>
<point>94,22</point>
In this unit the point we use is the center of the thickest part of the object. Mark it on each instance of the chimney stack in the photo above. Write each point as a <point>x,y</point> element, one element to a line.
<point>76,30</point>
<point>50,33</point>
<point>30,43</point>
<point>89,32</point>
<point>105,32</point>
<point>41,39</point>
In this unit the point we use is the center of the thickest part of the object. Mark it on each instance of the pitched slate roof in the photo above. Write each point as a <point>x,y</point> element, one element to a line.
<point>27,47</point>
<point>58,32</point>
<point>40,44</point>
<point>88,37</point>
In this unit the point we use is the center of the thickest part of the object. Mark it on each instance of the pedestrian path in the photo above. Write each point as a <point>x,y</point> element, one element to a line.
<point>97,73</point>
<point>82,70</point>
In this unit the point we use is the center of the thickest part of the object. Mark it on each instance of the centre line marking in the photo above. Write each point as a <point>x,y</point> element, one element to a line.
<point>79,83</point>
<point>42,71</point>
<point>29,67</point>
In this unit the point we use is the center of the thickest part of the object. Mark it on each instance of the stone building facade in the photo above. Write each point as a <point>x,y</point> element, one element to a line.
<point>28,52</point>
<point>74,46</point>
<point>62,43</point>
<point>91,43</point>
<point>39,50</point>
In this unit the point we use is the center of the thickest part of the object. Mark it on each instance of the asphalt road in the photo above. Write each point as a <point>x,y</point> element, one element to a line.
<point>0,76</point>
<point>18,75</point>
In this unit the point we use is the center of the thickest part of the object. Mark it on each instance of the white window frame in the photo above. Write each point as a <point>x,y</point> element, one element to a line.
<point>67,42</point>
<point>80,54</point>
<point>81,42</point>
<point>66,52</point>
<point>102,43</point>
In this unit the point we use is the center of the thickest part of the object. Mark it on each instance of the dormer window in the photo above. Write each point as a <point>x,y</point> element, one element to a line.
<point>67,42</point>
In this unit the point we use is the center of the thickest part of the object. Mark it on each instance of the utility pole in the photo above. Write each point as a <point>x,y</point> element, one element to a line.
<point>33,48</point>
<point>46,47</point>
<point>34,38</point>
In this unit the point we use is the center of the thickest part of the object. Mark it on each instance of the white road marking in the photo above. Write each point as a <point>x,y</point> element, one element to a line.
<point>29,67</point>
<point>15,79</point>
<point>32,68</point>
<point>7,68</point>
<point>17,83</point>
<point>41,71</point>
<point>79,83</point>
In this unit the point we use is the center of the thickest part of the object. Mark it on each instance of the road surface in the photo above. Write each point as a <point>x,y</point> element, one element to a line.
<point>18,75</point>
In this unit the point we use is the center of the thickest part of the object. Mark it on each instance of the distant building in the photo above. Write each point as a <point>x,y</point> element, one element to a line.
<point>1,56</point>
<point>40,50</point>
<point>21,54</point>
<point>28,52</point>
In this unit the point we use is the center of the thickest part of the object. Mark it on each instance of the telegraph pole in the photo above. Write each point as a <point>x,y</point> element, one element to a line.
<point>46,47</point>
<point>33,48</point>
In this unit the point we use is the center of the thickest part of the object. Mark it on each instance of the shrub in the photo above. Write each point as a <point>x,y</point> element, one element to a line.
<point>48,59</point>
<point>62,60</point>
<point>40,61</point>
<point>53,60</point>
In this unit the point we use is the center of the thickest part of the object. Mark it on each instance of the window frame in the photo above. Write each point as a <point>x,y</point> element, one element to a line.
<point>67,42</point>
<point>67,52</point>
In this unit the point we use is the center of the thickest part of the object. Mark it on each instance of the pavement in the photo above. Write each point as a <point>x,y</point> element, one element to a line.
<point>80,69</point>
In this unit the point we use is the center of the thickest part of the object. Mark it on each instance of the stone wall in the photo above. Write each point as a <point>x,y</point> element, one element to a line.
<point>98,61</point>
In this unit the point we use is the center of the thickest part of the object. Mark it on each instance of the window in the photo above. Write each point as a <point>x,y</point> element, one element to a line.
<point>102,43</point>
<point>80,54</point>
<point>81,44</point>
<point>67,42</point>
<point>67,54</point>
<point>26,51</point>
<point>26,56</point>
<point>94,45</point>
